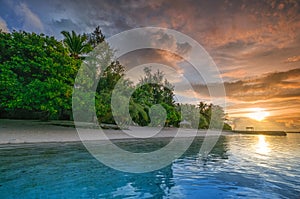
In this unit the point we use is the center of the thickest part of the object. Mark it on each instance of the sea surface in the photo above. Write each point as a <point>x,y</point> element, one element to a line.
<point>239,166</point>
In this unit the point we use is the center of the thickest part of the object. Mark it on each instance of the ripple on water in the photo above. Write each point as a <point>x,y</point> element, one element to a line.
<point>237,167</point>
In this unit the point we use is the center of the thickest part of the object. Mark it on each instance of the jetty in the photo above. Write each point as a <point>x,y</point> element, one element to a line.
<point>277,133</point>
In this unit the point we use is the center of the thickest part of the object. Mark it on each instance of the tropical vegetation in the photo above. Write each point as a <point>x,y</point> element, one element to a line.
<point>37,76</point>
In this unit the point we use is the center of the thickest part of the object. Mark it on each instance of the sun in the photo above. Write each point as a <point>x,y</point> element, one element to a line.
<point>258,114</point>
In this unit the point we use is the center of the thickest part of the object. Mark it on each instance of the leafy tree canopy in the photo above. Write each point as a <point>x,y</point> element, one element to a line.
<point>36,73</point>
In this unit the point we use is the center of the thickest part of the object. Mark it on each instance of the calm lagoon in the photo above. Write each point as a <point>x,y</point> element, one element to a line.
<point>239,166</point>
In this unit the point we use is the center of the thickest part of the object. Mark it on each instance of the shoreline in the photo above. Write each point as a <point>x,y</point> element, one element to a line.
<point>34,131</point>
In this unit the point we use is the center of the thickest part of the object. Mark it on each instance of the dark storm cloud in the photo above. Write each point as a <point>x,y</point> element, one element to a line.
<point>214,24</point>
<point>61,24</point>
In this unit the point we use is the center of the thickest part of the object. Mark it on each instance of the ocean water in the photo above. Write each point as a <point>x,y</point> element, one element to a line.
<point>239,166</point>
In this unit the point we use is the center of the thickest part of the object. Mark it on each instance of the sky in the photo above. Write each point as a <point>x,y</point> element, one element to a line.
<point>255,44</point>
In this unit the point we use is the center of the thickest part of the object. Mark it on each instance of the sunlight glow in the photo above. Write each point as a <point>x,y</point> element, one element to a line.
<point>258,114</point>
<point>262,146</point>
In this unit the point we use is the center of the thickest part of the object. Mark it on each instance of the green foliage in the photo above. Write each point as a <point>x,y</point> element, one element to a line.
<point>173,114</point>
<point>110,76</point>
<point>108,79</point>
<point>201,116</point>
<point>96,37</point>
<point>158,115</point>
<point>76,44</point>
<point>190,113</point>
<point>217,119</point>
<point>36,74</point>
<point>209,120</point>
<point>138,113</point>
<point>227,127</point>
<point>205,115</point>
<point>152,90</point>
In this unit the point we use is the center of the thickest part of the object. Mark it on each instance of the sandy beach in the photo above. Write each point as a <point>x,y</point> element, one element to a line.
<point>32,131</point>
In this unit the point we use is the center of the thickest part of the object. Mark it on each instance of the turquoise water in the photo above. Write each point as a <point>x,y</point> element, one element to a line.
<point>238,167</point>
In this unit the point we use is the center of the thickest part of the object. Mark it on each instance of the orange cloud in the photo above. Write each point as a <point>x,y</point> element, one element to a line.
<point>278,93</point>
<point>272,85</point>
<point>293,59</point>
<point>234,73</point>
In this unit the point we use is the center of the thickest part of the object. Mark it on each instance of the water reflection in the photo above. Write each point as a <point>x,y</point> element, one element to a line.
<point>50,168</point>
<point>162,183</point>
<point>262,147</point>
<point>230,171</point>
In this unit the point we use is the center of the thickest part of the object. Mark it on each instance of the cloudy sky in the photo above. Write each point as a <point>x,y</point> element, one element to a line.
<point>255,44</point>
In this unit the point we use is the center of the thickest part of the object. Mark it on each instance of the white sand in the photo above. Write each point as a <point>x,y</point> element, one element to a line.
<point>29,131</point>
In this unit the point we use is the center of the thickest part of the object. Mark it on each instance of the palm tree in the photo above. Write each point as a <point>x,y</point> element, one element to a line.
<point>76,44</point>
<point>205,114</point>
<point>138,113</point>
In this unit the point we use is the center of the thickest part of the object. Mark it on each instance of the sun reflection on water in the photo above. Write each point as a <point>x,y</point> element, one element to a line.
<point>262,146</point>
